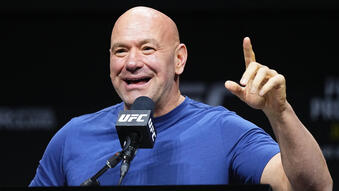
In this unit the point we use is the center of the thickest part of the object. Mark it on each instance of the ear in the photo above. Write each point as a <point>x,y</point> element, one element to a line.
<point>180,58</point>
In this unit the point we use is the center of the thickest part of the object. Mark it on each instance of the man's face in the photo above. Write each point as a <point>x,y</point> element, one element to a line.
<point>142,59</point>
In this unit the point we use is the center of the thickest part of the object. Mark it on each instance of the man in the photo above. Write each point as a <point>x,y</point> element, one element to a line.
<point>196,143</point>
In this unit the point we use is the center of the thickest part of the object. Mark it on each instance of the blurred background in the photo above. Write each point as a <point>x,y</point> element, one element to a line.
<point>55,65</point>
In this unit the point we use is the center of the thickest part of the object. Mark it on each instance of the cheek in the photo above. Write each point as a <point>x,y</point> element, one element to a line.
<point>161,65</point>
<point>116,66</point>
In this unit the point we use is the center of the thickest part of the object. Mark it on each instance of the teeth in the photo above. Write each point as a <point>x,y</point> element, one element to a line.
<point>136,80</point>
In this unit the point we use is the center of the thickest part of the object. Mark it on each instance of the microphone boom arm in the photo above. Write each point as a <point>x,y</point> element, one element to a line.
<point>110,163</point>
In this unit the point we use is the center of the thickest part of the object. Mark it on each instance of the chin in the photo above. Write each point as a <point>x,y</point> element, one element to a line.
<point>129,100</point>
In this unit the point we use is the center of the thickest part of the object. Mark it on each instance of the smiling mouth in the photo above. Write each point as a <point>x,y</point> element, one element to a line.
<point>137,80</point>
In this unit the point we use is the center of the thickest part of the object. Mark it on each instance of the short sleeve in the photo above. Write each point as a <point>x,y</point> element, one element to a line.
<point>249,148</point>
<point>50,169</point>
<point>253,151</point>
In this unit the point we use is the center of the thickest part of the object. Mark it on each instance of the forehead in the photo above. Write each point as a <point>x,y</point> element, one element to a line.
<point>134,29</point>
<point>141,26</point>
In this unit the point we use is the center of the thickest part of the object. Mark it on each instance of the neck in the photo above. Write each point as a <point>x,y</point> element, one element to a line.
<point>169,105</point>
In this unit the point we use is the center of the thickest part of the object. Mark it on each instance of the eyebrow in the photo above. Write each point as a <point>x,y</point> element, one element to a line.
<point>149,40</point>
<point>118,44</point>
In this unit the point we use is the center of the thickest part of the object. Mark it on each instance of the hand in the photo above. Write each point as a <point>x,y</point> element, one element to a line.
<point>261,87</point>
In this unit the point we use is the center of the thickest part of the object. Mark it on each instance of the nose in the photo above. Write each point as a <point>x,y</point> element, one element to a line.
<point>133,62</point>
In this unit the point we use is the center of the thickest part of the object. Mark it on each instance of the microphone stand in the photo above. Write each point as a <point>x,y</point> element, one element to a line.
<point>111,163</point>
<point>127,155</point>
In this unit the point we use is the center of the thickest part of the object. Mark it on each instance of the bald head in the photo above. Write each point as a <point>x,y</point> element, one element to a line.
<point>146,58</point>
<point>145,20</point>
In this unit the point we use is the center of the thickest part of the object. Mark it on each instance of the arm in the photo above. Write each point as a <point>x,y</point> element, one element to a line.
<point>300,165</point>
<point>301,156</point>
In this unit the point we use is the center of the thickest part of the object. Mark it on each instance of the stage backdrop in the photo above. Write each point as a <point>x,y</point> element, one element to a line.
<point>55,66</point>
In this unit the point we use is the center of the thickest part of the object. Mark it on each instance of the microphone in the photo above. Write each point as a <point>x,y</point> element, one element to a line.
<point>137,121</point>
<point>135,130</point>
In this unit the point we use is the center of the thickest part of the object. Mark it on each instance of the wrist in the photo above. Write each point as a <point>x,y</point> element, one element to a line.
<point>280,114</point>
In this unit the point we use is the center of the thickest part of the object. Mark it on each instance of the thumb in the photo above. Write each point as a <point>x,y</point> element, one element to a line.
<point>234,88</point>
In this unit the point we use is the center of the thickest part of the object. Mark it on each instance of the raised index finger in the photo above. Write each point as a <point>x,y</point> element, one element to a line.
<point>248,51</point>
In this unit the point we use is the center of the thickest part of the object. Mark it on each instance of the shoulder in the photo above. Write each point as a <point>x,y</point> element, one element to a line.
<point>219,114</point>
<point>86,119</point>
<point>196,106</point>
<point>227,123</point>
<point>97,119</point>
<point>103,113</point>
<point>86,123</point>
<point>51,169</point>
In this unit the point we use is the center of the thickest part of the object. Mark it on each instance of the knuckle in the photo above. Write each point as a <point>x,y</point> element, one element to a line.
<point>263,69</point>
<point>254,64</point>
<point>281,78</point>
<point>274,71</point>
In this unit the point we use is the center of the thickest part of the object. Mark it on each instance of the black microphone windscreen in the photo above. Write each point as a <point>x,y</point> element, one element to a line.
<point>143,103</point>
<point>137,120</point>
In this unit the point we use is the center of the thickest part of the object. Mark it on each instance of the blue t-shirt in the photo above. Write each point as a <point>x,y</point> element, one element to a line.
<point>196,144</point>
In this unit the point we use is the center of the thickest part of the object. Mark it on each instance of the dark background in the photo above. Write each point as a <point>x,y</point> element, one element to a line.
<point>55,65</point>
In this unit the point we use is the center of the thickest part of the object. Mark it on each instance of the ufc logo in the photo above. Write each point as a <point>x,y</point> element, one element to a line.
<point>152,130</point>
<point>131,117</point>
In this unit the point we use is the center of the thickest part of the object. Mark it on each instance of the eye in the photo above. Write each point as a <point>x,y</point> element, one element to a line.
<point>148,49</point>
<point>120,52</point>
